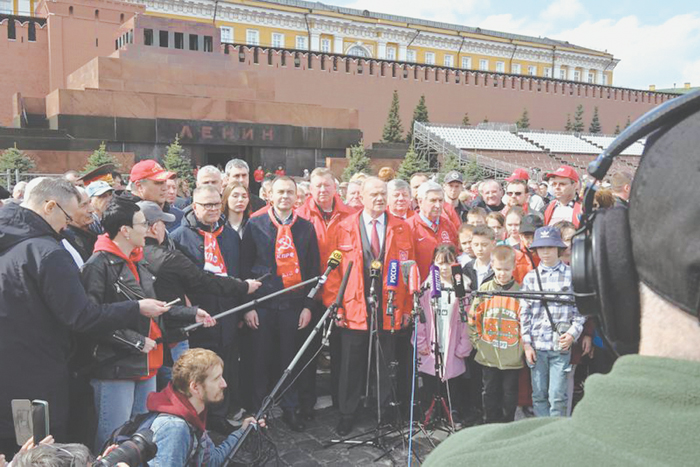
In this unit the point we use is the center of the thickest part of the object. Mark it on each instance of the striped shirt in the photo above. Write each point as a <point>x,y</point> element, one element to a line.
<point>535,325</point>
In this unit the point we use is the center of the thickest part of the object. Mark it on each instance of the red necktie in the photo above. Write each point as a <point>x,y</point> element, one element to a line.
<point>374,246</point>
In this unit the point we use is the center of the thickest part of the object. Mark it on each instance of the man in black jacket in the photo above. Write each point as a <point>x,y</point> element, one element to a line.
<point>78,239</point>
<point>42,302</point>
<point>237,170</point>
<point>280,243</point>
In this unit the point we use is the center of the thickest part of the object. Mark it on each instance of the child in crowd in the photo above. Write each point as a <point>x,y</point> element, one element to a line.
<point>476,216</point>
<point>549,329</point>
<point>525,259</point>
<point>494,330</point>
<point>497,222</point>
<point>452,336</point>
<point>465,241</point>
<point>513,219</point>
<point>483,243</point>
<point>567,230</point>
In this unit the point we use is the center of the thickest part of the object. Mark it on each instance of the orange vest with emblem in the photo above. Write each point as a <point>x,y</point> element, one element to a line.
<point>425,240</point>
<point>398,246</point>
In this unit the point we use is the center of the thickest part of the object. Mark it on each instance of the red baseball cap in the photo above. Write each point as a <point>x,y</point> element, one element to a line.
<point>149,169</point>
<point>519,174</point>
<point>565,171</point>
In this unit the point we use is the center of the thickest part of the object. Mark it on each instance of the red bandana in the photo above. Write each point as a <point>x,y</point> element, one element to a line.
<point>213,261</point>
<point>286,252</point>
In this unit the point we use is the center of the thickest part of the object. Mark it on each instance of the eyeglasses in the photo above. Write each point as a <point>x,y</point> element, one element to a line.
<point>144,223</point>
<point>210,206</point>
<point>514,193</point>
<point>68,217</point>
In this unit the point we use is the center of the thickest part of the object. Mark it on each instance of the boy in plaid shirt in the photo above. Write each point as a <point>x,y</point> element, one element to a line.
<point>548,337</point>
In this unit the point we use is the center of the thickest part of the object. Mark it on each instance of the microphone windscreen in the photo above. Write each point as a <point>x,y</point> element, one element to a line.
<point>435,288</point>
<point>392,274</point>
<point>406,267</point>
<point>458,281</point>
<point>375,268</point>
<point>334,259</point>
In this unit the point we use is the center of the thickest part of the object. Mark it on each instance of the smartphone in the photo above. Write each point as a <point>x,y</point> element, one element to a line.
<point>40,420</point>
<point>22,418</point>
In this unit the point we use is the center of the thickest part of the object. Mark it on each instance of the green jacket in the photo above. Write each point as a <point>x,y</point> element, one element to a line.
<point>645,412</point>
<point>494,328</point>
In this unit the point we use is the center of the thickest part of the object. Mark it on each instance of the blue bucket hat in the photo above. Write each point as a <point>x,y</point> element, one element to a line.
<point>547,237</point>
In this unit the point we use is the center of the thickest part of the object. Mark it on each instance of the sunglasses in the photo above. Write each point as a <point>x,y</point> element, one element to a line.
<point>514,193</point>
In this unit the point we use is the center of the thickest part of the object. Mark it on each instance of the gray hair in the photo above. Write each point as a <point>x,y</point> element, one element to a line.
<point>483,185</point>
<point>54,455</point>
<point>205,189</point>
<point>238,164</point>
<point>57,189</point>
<point>427,187</point>
<point>208,169</point>
<point>371,179</point>
<point>398,184</point>
<point>30,186</point>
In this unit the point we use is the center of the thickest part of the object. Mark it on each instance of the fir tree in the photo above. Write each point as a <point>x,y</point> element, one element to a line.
<point>568,126</point>
<point>14,159</point>
<point>450,162</point>
<point>578,126</point>
<point>617,129</point>
<point>412,163</point>
<point>393,129</point>
<point>473,172</point>
<point>465,119</point>
<point>629,122</point>
<point>595,122</point>
<point>176,161</point>
<point>100,157</point>
<point>420,114</point>
<point>524,122</point>
<point>357,161</point>
<point>486,119</point>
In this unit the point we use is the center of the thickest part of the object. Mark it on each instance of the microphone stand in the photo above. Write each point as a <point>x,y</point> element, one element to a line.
<point>555,297</point>
<point>269,399</point>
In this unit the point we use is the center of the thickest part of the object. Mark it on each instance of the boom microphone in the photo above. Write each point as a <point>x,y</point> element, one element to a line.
<point>392,280</point>
<point>460,291</point>
<point>333,262</point>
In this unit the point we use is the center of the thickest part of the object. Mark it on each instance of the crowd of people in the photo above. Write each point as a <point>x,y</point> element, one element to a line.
<point>99,277</point>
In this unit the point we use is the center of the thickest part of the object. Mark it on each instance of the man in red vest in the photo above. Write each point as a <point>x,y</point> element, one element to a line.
<point>430,227</point>
<point>325,210</point>
<point>565,207</point>
<point>371,235</point>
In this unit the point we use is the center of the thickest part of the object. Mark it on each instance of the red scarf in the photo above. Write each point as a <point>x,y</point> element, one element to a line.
<point>213,261</point>
<point>286,252</point>
<point>104,243</point>
<point>171,402</point>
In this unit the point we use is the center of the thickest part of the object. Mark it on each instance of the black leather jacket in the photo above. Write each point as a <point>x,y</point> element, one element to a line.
<point>108,279</point>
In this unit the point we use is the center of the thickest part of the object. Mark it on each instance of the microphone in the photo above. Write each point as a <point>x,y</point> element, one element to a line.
<point>337,303</point>
<point>435,286</point>
<point>333,262</point>
<point>460,291</point>
<point>415,290</point>
<point>375,270</point>
<point>392,280</point>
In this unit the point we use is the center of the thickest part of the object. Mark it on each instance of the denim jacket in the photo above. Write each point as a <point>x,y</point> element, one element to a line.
<point>175,439</point>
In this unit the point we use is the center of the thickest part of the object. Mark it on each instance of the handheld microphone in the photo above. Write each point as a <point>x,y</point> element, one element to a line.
<point>435,286</point>
<point>375,270</point>
<point>460,291</point>
<point>392,280</point>
<point>333,262</point>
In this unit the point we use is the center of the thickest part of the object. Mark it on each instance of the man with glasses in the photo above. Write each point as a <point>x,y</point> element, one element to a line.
<point>517,194</point>
<point>148,183</point>
<point>43,302</point>
<point>207,239</point>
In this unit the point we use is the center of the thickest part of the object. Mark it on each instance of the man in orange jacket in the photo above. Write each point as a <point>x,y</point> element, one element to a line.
<point>367,236</point>
<point>325,210</point>
<point>430,227</point>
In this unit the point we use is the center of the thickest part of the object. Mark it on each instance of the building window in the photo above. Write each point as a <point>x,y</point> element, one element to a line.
<point>411,56</point>
<point>548,72</point>
<point>358,51</point>
<point>208,44</point>
<point>277,40</point>
<point>562,73</point>
<point>430,58</point>
<point>325,45</point>
<point>70,10</point>
<point>391,53</point>
<point>302,43</point>
<point>163,37</point>
<point>148,37</point>
<point>501,67</point>
<point>179,40</point>
<point>483,65</point>
<point>194,42</point>
<point>591,77</point>
<point>31,32</point>
<point>467,63</point>
<point>532,70</point>
<point>97,14</point>
<point>449,60</point>
<point>227,34</point>
<point>252,37</point>
<point>11,31</point>
<point>605,79</point>
<point>515,68</point>
<point>577,75</point>
<point>121,18</point>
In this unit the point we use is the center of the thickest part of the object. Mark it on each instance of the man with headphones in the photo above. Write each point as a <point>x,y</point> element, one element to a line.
<point>638,272</point>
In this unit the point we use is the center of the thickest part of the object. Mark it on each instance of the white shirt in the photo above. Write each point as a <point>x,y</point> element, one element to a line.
<point>73,252</point>
<point>561,213</point>
<point>369,228</point>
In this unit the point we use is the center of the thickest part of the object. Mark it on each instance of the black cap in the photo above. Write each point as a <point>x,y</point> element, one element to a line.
<point>530,223</point>
<point>664,214</point>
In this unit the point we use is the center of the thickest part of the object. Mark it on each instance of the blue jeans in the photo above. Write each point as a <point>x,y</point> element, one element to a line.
<point>550,375</point>
<point>165,373</point>
<point>116,401</point>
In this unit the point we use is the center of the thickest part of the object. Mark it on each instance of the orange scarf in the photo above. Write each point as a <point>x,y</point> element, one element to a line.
<point>286,252</point>
<point>104,243</point>
<point>213,261</point>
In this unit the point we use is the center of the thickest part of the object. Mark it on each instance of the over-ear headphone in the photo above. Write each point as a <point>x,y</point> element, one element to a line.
<point>604,274</point>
